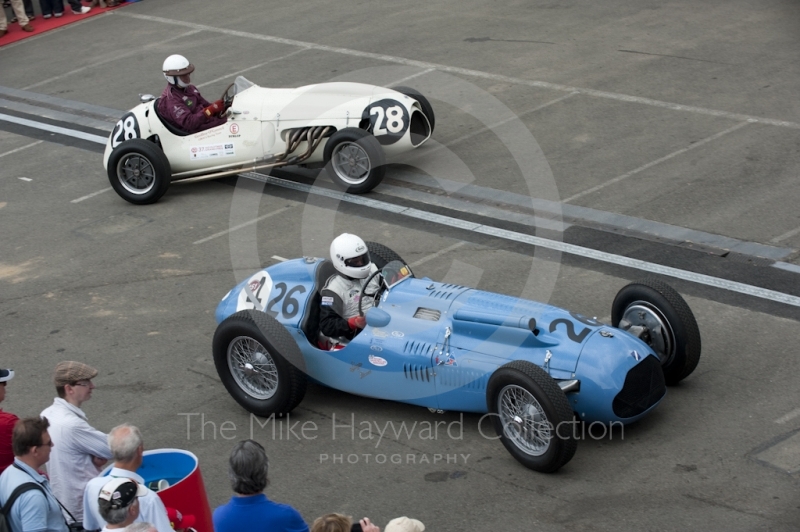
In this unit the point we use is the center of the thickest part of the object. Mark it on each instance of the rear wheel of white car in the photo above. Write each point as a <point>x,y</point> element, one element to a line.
<point>668,325</point>
<point>532,416</point>
<point>381,255</point>
<point>139,171</point>
<point>259,363</point>
<point>354,160</point>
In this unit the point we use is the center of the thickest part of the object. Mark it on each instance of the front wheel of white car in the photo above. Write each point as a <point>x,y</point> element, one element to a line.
<point>139,171</point>
<point>354,160</point>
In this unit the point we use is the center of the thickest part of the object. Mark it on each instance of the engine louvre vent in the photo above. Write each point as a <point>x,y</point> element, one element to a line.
<point>416,372</point>
<point>417,348</point>
<point>428,314</point>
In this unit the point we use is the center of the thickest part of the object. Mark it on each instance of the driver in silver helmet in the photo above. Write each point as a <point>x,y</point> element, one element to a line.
<point>339,316</point>
<point>181,103</point>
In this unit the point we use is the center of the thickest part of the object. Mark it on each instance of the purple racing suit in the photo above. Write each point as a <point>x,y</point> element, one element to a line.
<point>183,108</point>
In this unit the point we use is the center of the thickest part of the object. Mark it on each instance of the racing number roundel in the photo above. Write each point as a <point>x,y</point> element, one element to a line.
<point>127,128</point>
<point>388,120</point>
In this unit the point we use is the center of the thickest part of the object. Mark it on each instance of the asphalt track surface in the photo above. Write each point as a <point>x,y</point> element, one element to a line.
<point>578,147</point>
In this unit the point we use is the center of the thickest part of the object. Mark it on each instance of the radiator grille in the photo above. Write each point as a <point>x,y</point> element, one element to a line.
<point>644,386</point>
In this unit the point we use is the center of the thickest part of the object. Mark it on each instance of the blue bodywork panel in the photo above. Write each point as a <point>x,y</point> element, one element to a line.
<point>443,342</point>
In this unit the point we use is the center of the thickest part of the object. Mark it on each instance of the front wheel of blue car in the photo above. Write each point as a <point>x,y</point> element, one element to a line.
<point>259,363</point>
<point>532,416</point>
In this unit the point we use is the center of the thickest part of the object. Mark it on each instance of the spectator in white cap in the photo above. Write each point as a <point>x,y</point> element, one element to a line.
<point>7,422</point>
<point>127,447</point>
<point>80,450</point>
<point>119,502</point>
<point>404,524</point>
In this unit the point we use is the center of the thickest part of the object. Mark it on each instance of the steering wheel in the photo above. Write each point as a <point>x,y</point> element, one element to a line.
<point>227,96</point>
<point>375,295</point>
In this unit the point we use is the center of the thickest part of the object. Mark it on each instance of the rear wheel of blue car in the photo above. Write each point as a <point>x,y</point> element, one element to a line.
<point>659,316</point>
<point>259,363</point>
<point>354,160</point>
<point>532,416</point>
<point>139,171</point>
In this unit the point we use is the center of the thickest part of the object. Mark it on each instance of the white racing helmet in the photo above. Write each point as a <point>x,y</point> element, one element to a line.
<point>176,66</point>
<point>350,256</point>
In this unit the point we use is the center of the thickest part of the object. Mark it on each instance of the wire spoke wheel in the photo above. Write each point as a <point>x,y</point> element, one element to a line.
<point>252,367</point>
<point>524,420</point>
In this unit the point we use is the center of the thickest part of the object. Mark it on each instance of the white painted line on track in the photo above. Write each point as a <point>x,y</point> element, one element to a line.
<point>784,236</point>
<point>279,258</point>
<point>412,76</point>
<point>466,71</point>
<point>93,194</point>
<point>439,253</point>
<point>109,59</point>
<point>228,76</point>
<point>25,147</point>
<point>788,417</point>
<point>25,179</point>
<point>245,224</point>
<point>653,163</point>
<point>514,236</point>
<point>53,129</point>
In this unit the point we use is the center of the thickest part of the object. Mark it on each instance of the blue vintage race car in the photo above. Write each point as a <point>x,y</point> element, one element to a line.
<point>537,369</point>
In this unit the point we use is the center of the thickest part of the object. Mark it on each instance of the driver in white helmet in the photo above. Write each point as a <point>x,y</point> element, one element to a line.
<point>339,315</point>
<point>181,103</point>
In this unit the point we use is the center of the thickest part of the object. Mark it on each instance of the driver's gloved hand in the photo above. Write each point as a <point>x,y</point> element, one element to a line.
<point>357,322</point>
<point>214,109</point>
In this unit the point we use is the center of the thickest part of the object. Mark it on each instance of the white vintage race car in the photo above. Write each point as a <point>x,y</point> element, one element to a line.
<point>350,128</point>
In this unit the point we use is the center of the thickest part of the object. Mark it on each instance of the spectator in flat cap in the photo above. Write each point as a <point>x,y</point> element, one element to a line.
<point>404,524</point>
<point>35,509</point>
<point>127,448</point>
<point>119,502</point>
<point>7,421</point>
<point>80,450</point>
<point>249,509</point>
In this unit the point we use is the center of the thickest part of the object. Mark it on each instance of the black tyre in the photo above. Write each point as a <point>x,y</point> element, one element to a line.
<point>259,363</point>
<point>139,171</point>
<point>354,160</point>
<point>532,416</point>
<point>381,255</point>
<point>427,109</point>
<point>670,327</point>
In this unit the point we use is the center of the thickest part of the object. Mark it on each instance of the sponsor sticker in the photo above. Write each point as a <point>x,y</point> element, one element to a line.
<point>376,348</point>
<point>398,334</point>
<point>234,129</point>
<point>211,151</point>
<point>378,333</point>
<point>377,361</point>
<point>327,301</point>
<point>636,355</point>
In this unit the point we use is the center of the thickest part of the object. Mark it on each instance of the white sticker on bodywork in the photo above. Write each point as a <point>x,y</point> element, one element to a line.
<point>255,293</point>
<point>212,151</point>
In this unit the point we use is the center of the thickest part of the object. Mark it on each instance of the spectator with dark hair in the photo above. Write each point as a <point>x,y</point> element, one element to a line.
<point>342,523</point>
<point>119,502</point>
<point>7,422</point>
<point>249,509</point>
<point>80,450</point>
<point>127,448</point>
<point>36,509</point>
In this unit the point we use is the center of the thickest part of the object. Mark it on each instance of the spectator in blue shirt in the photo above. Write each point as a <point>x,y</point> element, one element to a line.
<point>34,510</point>
<point>249,509</point>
